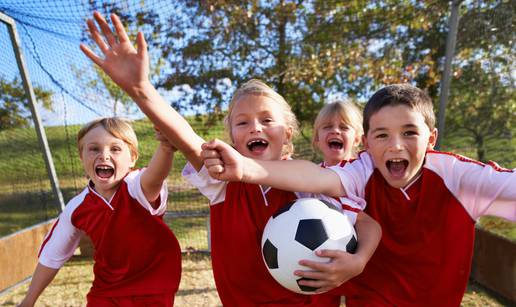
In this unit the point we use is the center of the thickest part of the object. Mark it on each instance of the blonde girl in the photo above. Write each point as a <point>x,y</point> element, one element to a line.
<point>337,131</point>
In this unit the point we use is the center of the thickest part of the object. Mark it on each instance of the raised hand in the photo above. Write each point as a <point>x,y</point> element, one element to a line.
<point>326,276</point>
<point>222,161</point>
<point>126,66</point>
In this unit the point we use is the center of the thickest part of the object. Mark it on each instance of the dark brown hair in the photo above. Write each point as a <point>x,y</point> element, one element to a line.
<point>400,94</point>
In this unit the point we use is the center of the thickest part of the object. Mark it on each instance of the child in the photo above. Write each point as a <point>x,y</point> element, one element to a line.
<point>426,201</point>
<point>337,132</point>
<point>261,125</point>
<point>137,257</point>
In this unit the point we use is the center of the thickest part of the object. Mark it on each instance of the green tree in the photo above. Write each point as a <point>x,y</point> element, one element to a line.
<point>482,104</point>
<point>14,103</point>
<point>306,49</point>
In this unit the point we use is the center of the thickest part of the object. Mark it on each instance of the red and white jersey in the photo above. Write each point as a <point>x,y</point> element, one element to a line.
<point>346,205</point>
<point>136,253</point>
<point>424,256</point>
<point>238,214</point>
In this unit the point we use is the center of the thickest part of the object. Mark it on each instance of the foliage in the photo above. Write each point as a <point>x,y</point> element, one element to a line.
<point>14,104</point>
<point>485,111</point>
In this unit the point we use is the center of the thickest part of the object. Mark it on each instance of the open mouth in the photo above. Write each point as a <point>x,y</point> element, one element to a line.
<point>104,171</point>
<point>335,144</point>
<point>257,145</point>
<point>397,167</point>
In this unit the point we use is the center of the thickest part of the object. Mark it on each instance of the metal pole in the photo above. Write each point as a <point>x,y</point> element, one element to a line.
<point>47,156</point>
<point>451,39</point>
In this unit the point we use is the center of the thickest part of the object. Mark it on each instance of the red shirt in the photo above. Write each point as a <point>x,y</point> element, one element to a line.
<point>136,253</point>
<point>424,256</point>
<point>239,212</point>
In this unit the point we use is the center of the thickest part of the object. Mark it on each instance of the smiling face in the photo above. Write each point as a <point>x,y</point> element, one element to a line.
<point>106,160</point>
<point>258,127</point>
<point>336,140</point>
<point>397,140</point>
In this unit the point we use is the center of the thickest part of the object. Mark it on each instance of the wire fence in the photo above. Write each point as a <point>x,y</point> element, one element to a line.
<point>70,92</point>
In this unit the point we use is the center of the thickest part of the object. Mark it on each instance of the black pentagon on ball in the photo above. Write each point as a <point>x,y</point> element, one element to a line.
<point>270,254</point>
<point>306,288</point>
<point>351,247</point>
<point>284,208</point>
<point>311,233</point>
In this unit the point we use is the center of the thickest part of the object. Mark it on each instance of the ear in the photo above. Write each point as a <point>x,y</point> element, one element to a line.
<point>432,139</point>
<point>364,142</point>
<point>133,160</point>
<point>288,133</point>
<point>356,142</point>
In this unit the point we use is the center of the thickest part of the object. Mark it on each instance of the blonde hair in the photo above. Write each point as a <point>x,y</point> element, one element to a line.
<point>256,87</point>
<point>119,127</point>
<point>346,110</point>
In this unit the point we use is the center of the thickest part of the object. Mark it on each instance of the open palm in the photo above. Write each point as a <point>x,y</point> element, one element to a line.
<point>127,66</point>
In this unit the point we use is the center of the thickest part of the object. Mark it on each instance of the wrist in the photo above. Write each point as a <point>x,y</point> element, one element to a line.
<point>142,91</point>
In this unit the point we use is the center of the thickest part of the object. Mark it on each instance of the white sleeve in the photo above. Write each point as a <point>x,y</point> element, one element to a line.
<point>482,189</point>
<point>63,238</point>
<point>213,189</point>
<point>134,187</point>
<point>354,176</point>
<point>345,205</point>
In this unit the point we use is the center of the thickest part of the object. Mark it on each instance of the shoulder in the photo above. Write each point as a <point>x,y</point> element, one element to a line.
<point>133,174</point>
<point>76,201</point>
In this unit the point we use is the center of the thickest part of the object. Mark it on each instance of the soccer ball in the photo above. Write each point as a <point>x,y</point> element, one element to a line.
<point>299,229</point>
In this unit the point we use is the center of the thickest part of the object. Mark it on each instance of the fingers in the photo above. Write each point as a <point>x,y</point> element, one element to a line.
<point>120,30</point>
<point>142,45</point>
<point>91,55</point>
<point>94,32</point>
<point>106,30</point>
<point>320,285</point>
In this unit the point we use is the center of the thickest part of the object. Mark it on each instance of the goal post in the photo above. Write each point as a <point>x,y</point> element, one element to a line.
<point>47,156</point>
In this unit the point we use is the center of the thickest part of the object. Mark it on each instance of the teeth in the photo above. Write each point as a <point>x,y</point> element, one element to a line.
<point>256,141</point>
<point>104,167</point>
<point>396,160</point>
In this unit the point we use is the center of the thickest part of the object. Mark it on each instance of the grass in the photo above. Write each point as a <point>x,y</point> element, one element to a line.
<point>26,198</point>
<point>197,287</point>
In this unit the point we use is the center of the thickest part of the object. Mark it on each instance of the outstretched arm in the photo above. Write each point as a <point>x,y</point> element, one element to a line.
<point>42,277</point>
<point>129,68</point>
<point>157,170</point>
<point>225,163</point>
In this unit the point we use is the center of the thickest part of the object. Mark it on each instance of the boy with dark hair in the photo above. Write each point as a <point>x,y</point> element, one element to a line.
<point>426,201</point>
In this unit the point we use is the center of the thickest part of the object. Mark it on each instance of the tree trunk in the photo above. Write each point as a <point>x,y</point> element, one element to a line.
<point>481,152</point>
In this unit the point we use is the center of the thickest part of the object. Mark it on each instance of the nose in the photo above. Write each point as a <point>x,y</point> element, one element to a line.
<point>396,144</point>
<point>104,155</point>
<point>256,127</point>
<point>335,130</point>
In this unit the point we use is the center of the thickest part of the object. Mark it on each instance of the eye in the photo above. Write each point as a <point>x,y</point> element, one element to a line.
<point>116,148</point>
<point>344,127</point>
<point>326,126</point>
<point>410,133</point>
<point>381,136</point>
<point>93,149</point>
<point>240,123</point>
<point>268,120</point>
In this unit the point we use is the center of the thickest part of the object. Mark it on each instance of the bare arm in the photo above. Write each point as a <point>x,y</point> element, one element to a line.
<point>225,163</point>
<point>129,68</point>
<point>158,169</point>
<point>42,277</point>
<point>369,234</point>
